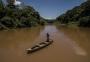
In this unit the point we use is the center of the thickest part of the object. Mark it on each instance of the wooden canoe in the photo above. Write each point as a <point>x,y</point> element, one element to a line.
<point>39,46</point>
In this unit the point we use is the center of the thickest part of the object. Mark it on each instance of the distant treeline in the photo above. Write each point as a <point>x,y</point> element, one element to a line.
<point>79,14</point>
<point>17,17</point>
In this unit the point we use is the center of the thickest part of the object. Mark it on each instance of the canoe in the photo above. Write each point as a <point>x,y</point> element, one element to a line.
<point>39,46</point>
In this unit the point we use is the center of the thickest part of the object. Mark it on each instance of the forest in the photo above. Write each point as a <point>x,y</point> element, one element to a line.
<point>26,16</point>
<point>79,15</point>
<point>18,17</point>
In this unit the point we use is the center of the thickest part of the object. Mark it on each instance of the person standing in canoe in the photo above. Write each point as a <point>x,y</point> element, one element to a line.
<point>48,37</point>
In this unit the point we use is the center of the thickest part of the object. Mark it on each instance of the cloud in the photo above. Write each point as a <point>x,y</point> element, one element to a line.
<point>17,3</point>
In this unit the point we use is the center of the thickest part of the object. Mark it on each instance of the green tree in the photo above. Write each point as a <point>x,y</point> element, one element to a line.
<point>7,21</point>
<point>85,21</point>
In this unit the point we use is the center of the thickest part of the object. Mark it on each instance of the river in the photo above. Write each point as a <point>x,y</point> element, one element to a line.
<point>70,44</point>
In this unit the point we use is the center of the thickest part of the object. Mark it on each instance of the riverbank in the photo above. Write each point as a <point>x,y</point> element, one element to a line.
<point>11,18</point>
<point>9,29</point>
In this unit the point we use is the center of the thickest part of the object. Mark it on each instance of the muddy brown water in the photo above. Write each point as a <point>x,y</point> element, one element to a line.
<point>70,45</point>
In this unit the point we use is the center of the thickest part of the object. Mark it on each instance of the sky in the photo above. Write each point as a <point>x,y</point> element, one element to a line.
<point>50,9</point>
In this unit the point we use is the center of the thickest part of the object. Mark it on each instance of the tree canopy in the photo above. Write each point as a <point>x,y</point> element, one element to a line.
<point>77,14</point>
<point>16,17</point>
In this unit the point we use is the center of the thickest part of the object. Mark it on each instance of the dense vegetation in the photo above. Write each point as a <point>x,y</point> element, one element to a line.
<point>17,17</point>
<point>79,14</point>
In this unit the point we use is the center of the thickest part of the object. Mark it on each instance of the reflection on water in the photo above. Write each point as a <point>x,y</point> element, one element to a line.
<point>64,48</point>
<point>80,35</point>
